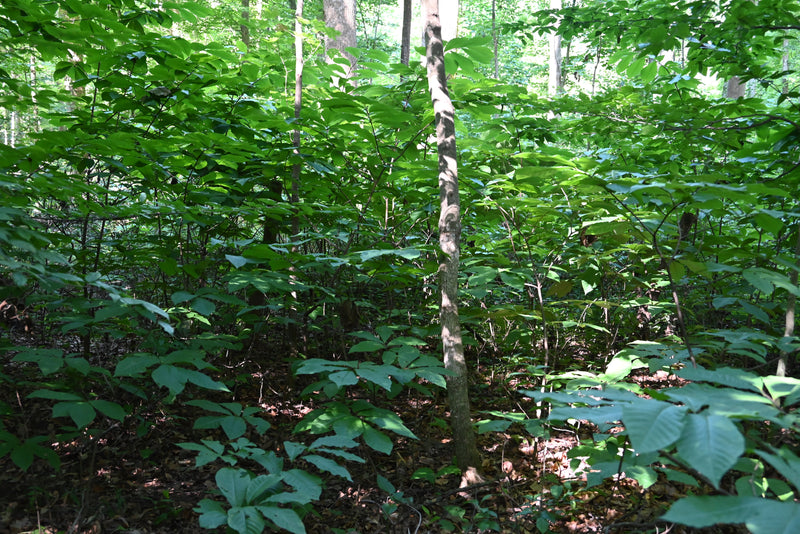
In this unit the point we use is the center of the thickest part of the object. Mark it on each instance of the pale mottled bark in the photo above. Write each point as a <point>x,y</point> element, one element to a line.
<point>791,304</point>
<point>735,88</point>
<point>466,451</point>
<point>555,84</point>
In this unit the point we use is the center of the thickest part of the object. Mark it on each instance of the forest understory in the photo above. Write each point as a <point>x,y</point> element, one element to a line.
<point>131,477</point>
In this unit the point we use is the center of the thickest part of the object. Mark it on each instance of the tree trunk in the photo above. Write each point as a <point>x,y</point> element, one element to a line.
<point>494,40</point>
<point>555,82</point>
<point>340,15</point>
<point>298,107</point>
<point>734,88</point>
<point>405,44</point>
<point>244,29</point>
<point>791,304</point>
<point>448,17</point>
<point>292,330</point>
<point>466,451</point>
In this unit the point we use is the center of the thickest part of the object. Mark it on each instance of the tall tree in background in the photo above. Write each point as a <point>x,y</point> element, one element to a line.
<point>244,29</point>
<point>555,83</point>
<point>466,450</point>
<point>405,40</point>
<point>340,15</point>
<point>735,88</point>
<point>496,61</point>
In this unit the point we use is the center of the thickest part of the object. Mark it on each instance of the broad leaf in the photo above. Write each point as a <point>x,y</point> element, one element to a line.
<point>653,425</point>
<point>710,444</point>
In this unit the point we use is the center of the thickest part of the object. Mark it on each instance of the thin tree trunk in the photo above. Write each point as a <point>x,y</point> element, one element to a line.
<point>789,320</point>
<point>494,40</point>
<point>292,331</point>
<point>298,107</point>
<point>785,65</point>
<point>466,451</point>
<point>405,42</point>
<point>555,82</point>
<point>244,29</point>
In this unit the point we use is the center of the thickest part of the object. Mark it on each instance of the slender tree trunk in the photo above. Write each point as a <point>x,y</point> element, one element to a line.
<point>494,40</point>
<point>298,107</point>
<point>405,41</point>
<point>292,330</point>
<point>785,65</point>
<point>466,450</point>
<point>244,29</point>
<point>789,319</point>
<point>340,15</point>
<point>555,82</point>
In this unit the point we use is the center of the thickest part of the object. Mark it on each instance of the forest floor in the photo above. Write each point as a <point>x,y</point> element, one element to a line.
<point>130,477</point>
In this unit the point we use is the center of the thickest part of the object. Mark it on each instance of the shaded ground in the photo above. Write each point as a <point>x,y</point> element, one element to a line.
<point>131,477</point>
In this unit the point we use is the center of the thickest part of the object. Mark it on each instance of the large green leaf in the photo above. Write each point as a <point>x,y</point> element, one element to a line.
<point>762,516</point>
<point>377,440</point>
<point>283,518</point>
<point>233,484</point>
<point>653,425</point>
<point>710,444</point>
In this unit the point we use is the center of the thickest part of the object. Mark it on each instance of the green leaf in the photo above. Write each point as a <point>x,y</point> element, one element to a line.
<point>212,515</point>
<point>203,306</point>
<point>308,487</point>
<point>293,450</point>
<point>54,395</point>
<point>237,261</point>
<point>237,520</point>
<point>135,364</point>
<point>642,474</point>
<point>386,485</point>
<point>207,452</point>
<point>110,409</point>
<point>343,378</point>
<point>233,484</point>
<point>492,425</point>
<point>175,378</point>
<point>377,374</point>
<point>653,425</point>
<point>337,440</point>
<point>181,296</point>
<point>81,413</point>
<point>377,440</point>
<point>407,253</point>
<point>261,485</point>
<point>761,516</point>
<point>786,463</point>
<point>48,360</point>
<point>233,426</point>
<point>283,518</point>
<point>710,444</point>
<point>326,464</point>
<point>366,346</point>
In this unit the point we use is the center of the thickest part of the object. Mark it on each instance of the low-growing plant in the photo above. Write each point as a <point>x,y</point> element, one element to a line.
<point>699,433</point>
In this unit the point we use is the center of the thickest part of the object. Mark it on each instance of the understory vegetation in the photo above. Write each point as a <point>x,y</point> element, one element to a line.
<point>203,326</point>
